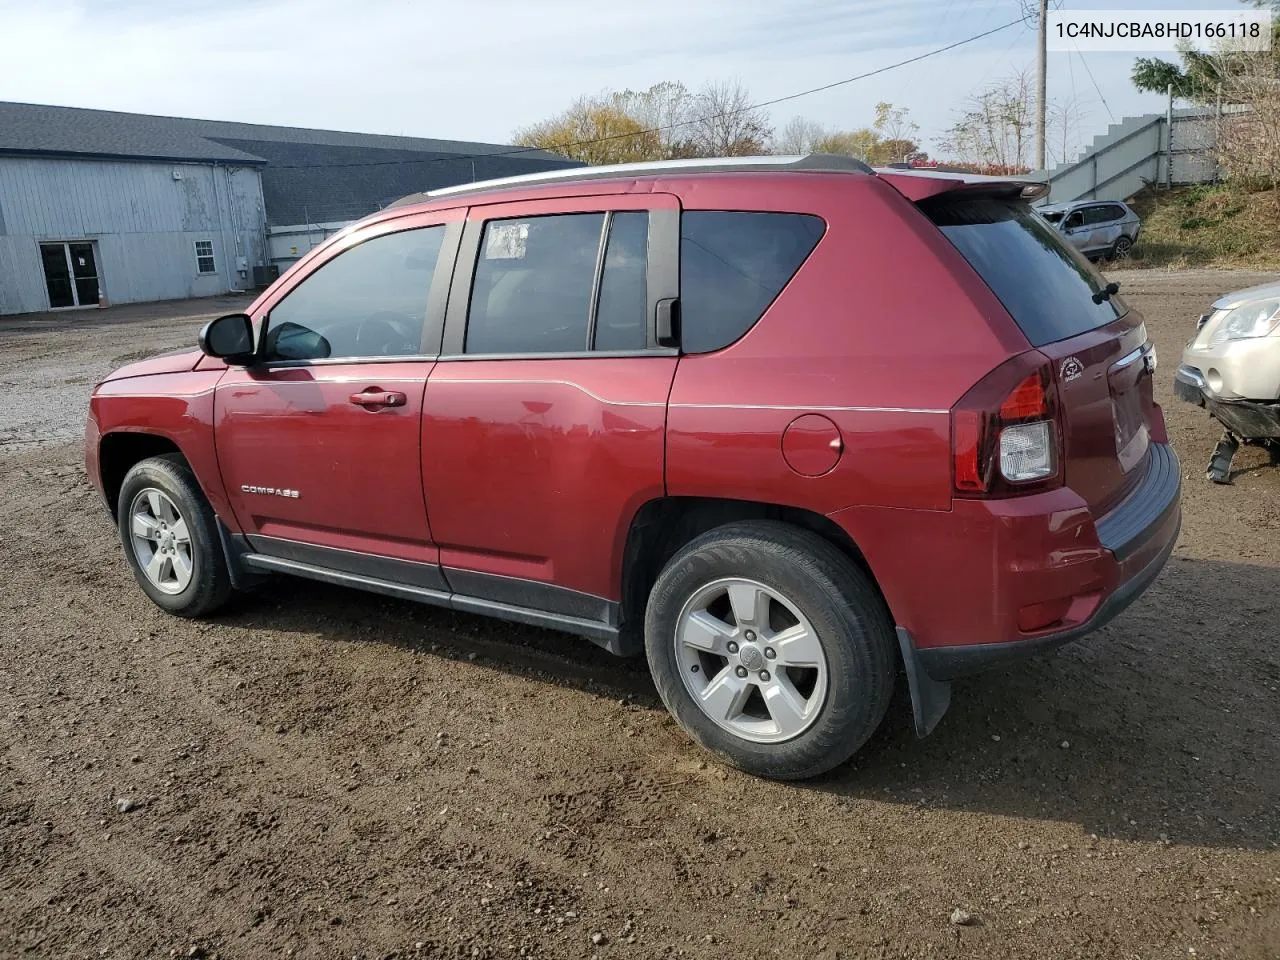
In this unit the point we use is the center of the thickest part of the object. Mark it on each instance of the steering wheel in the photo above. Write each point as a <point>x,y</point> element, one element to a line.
<point>385,335</point>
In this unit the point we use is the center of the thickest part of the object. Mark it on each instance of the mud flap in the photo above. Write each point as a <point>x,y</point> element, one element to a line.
<point>234,548</point>
<point>1219,469</point>
<point>930,698</point>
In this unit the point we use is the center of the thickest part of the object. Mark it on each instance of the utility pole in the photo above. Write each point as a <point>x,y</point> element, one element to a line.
<point>1041,68</point>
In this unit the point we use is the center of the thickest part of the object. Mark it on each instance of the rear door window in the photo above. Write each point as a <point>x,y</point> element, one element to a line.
<point>734,264</point>
<point>620,322</point>
<point>1093,215</point>
<point>564,283</point>
<point>1047,287</point>
<point>533,284</point>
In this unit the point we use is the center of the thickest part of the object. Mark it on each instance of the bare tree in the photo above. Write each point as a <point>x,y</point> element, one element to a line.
<point>799,137</point>
<point>665,108</point>
<point>995,127</point>
<point>895,123</point>
<point>1063,121</point>
<point>726,124</point>
<point>1248,134</point>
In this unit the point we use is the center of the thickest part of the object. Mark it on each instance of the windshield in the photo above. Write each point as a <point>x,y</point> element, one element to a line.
<point>1046,286</point>
<point>1053,216</point>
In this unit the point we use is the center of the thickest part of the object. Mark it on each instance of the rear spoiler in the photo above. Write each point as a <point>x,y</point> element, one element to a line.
<point>917,185</point>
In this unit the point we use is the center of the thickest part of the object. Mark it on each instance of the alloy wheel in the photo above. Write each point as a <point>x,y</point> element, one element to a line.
<point>751,660</point>
<point>160,540</point>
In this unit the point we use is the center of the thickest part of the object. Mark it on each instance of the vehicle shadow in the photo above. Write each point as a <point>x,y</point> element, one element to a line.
<point>1164,726</point>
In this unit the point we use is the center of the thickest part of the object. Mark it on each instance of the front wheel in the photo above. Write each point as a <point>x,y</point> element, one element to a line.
<point>771,648</point>
<point>170,537</point>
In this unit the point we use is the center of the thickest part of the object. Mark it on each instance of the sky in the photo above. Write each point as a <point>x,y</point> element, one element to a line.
<point>478,70</point>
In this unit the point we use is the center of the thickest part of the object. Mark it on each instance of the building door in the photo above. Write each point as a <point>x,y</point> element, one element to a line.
<point>70,274</point>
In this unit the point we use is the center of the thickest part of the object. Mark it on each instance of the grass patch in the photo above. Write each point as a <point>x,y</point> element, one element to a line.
<point>1207,226</point>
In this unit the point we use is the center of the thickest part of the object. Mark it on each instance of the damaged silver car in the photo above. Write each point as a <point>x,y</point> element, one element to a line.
<point>1232,369</point>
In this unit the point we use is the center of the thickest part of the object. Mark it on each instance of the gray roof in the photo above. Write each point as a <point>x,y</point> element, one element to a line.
<point>308,175</point>
<point>34,128</point>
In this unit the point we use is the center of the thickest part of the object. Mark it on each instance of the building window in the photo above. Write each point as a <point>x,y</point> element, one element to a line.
<point>204,256</point>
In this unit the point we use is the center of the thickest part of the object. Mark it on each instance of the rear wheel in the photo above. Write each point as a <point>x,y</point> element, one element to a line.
<point>170,537</point>
<point>771,649</point>
<point>1121,249</point>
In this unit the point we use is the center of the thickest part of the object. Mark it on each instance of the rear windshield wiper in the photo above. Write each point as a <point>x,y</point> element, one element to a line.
<point>1106,292</point>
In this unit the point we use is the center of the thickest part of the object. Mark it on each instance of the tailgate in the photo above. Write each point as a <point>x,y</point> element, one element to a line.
<point>1105,393</point>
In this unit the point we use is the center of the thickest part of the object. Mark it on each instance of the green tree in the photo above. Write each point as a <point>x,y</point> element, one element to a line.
<point>593,131</point>
<point>1201,76</point>
<point>894,123</point>
<point>664,122</point>
<point>858,144</point>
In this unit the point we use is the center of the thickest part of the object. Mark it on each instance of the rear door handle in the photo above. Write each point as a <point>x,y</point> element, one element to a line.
<point>373,397</point>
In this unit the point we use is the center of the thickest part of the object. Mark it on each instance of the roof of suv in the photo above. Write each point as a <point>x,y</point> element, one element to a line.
<point>1080,205</point>
<point>926,182</point>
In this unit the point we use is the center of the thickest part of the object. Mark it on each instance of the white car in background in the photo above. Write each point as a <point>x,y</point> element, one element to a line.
<point>1232,368</point>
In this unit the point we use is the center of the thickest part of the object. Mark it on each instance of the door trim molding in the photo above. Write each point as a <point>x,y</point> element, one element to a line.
<point>576,613</point>
<point>372,566</point>
<point>531,594</point>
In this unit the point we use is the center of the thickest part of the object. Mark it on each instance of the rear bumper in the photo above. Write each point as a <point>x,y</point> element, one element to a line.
<point>1248,419</point>
<point>1137,537</point>
<point>990,581</point>
<point>948,663</point>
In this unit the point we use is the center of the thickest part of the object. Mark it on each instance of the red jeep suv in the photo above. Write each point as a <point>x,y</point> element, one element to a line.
<point>788,426</point>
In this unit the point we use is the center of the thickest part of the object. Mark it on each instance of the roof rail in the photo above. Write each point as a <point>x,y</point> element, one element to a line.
<point>814,162</point>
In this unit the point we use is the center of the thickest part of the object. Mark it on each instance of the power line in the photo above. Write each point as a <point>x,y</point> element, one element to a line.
<point>1085,64</point>
<point>669,126</point>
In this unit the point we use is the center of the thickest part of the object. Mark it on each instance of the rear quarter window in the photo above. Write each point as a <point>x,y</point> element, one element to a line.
<point>1045,285</point>
<point>733,264</point>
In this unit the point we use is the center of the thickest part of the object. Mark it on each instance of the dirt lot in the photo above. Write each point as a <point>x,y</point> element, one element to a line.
<point>323,773</point>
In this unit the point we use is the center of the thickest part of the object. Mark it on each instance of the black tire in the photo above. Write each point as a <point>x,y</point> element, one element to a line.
<point>210,584</point>
<point>843,607</point>
<point>1121,249</point>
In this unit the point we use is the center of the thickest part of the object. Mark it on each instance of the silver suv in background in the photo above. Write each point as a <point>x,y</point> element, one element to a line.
<point>1232,368</point>
<point>1100,229</point>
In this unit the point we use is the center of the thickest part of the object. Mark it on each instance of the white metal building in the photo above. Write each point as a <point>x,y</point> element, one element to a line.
<point>98,207</point>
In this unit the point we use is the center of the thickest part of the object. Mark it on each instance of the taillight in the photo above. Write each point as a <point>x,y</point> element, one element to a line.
<point>1004,431</point>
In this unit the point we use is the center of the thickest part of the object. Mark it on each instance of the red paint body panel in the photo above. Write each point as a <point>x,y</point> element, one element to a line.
<point>357,471</point>
<point>534,468</point>
<point>177,406</point>
<point>736,452</point>
<point>179,361</point>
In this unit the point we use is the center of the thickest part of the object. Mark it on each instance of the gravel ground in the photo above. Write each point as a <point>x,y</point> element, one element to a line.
<point>323,773</point>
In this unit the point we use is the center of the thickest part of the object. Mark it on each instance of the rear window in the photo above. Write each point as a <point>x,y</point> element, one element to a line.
<point>1046,287</point>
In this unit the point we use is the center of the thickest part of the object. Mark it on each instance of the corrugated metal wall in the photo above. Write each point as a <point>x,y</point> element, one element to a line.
<point>144,223</point>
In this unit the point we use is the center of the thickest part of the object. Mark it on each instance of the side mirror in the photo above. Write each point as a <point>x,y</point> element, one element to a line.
<point>229,338</point>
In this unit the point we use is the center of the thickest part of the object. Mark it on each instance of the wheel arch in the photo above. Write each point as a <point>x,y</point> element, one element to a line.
<point>119,450</point>
<point>661,526</point>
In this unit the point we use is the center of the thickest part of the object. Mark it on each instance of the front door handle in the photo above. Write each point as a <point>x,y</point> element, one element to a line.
<point>373,397</point>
